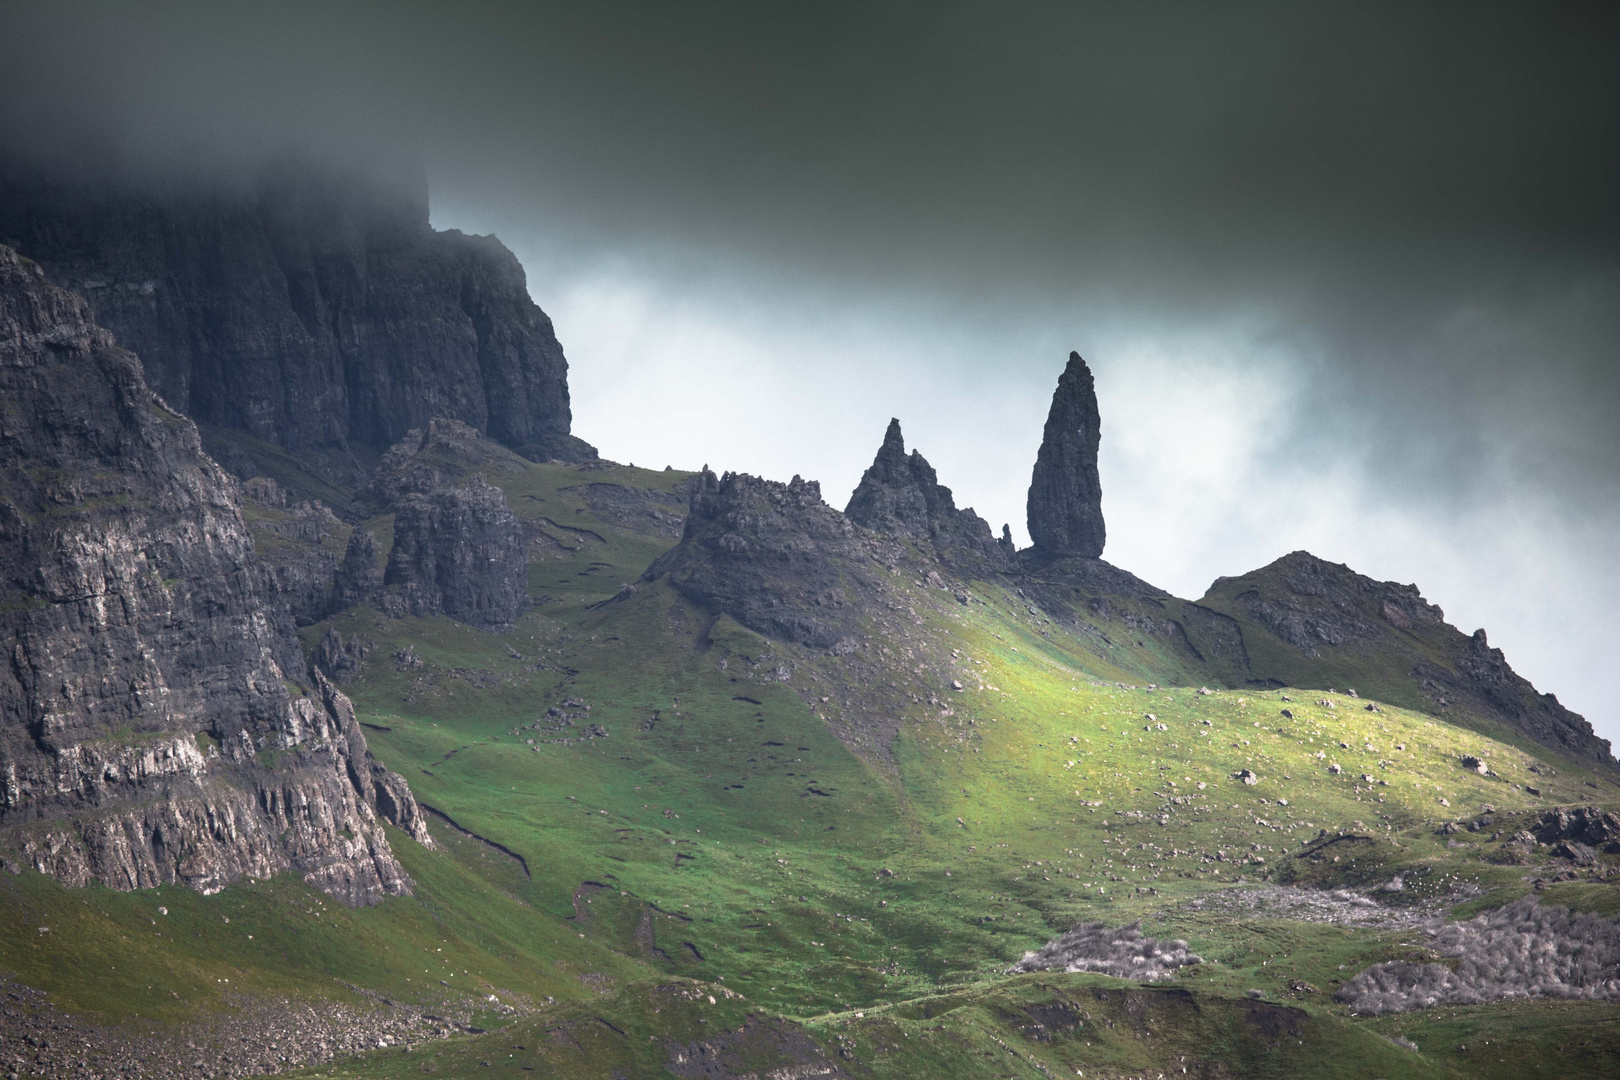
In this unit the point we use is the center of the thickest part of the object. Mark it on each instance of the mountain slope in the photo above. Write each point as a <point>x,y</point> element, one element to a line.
<point>1307,622</point>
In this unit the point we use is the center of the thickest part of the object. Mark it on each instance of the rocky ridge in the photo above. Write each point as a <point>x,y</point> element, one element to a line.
<point>153,681</point>
<point>774,557</point>
<point>1309,622</point>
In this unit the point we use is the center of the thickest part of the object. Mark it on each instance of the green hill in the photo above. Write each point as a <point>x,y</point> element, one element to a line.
<point>684,832</point>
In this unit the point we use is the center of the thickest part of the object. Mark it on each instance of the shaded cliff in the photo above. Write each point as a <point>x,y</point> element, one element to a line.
<point>152,726</point>
<point>775,558</point>
<point>318,312</point>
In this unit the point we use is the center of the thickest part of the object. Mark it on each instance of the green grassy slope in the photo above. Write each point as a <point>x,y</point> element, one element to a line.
<point>653,807</point>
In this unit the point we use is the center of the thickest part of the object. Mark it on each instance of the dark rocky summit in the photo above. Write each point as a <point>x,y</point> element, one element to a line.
<point>1065,494</point>
<point>309,310</point>
<point>458,551</point>
<point>900,495</point>
<point>1309,622</point>
<point>152,726</point>
<point>774,557</point>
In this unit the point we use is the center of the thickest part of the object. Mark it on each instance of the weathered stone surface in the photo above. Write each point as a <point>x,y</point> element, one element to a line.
<point>298,546</point>
<point>358,576</point>
<point>458,551</point>
<point>1065,494</point>
<point>900,495</point>
<point>339,659</point>
<point>426,459</point>
<point>1340,628</point>
<point>148,669</point>
<point>774,557</point>
<point>310,309</point>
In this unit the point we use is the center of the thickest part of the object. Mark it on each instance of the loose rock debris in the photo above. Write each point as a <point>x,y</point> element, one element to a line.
<point>1125,953</point>
<point>1520,951</point>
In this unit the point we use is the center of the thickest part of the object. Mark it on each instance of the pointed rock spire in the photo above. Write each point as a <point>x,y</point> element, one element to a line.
<point>898,492</point>
<point>901,495</point>
<point>1065,496</point>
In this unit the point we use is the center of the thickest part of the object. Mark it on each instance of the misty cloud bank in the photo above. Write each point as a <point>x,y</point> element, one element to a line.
<point>1348,275</point>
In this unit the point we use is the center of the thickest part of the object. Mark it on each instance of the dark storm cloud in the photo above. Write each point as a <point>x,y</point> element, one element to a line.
<point>1413,206</point>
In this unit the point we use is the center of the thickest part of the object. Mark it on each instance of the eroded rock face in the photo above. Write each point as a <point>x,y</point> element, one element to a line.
<point>425,459</point>
<point>458,551</point>
<point>309,309</point>
<point>1065,494</point>
<point>774,557</point>
<point>1335,623</point>
<point>149,673</point>
<point>900,495</point>
<point>358,576</point>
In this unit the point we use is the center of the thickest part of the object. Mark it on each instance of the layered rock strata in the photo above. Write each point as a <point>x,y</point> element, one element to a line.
<point>901,495</point>
<point>152,729</point>
<point>312,310</point>
<point>1065,493</point>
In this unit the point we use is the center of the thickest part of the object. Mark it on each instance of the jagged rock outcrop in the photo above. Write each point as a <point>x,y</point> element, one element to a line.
<point>1309,622</point>
<point>151,727</point>
<point>458,551</point>
<point>900,495</point>
<point>337,658</point>
<point>298,545</point>
<point>774,557</point>
<point>309,309</point>
<point>434,456</point>
<point>358,576</point>
<point>1065,494</point>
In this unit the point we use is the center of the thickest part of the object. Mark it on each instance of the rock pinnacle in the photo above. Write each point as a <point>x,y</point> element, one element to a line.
<point>1065,496</point>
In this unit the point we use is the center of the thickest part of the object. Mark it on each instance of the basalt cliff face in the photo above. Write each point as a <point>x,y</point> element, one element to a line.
<point>156,720</point>
<point>776,558</point>
<point>316,312</point>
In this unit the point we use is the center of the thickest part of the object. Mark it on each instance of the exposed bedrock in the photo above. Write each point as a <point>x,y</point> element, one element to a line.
<point>1065,494</point>
<point>458,551</point>
<point>775,558</point>
<point>307,308</point>
<point>900,495</point>
<point>151,725</point>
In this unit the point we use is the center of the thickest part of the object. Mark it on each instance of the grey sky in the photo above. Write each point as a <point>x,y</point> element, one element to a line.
<point>1348,275</point>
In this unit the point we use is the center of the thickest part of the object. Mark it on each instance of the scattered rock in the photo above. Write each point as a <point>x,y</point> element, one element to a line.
<point>1125,953</point>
